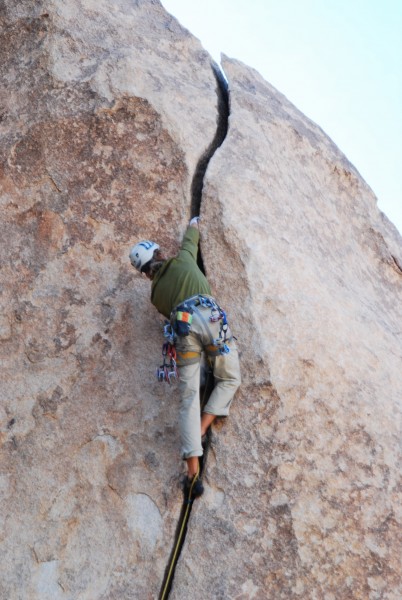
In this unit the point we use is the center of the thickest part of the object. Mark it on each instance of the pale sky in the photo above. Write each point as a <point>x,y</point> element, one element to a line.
<point>338,61</point>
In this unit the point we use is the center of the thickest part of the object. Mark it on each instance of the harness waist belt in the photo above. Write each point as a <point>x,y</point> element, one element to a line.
<point>195,301</point>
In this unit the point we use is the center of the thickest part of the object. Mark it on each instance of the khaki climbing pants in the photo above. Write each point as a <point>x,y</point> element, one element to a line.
<point>226,371</point>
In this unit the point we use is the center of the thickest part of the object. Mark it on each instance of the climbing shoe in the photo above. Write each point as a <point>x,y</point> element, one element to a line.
<point>193,489</point>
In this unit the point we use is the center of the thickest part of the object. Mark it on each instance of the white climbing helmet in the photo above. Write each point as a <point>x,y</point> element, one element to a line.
<point>142,253</point>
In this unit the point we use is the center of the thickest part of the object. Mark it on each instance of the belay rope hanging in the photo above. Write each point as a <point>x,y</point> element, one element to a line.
<point>187,501</point>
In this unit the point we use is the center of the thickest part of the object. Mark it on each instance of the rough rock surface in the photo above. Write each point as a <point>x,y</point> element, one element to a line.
<point>107,111</point>
<point>304,495</point>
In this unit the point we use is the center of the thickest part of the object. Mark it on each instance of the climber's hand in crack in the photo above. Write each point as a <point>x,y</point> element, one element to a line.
<point>195,222</point>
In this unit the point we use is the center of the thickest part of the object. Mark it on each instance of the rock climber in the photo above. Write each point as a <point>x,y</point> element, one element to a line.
<point>180,292</point>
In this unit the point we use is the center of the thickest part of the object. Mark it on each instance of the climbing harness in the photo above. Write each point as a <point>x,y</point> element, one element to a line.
<point>180,326</point>
<point>168,370</point>
<point>187,502</point>
<point>182,317</point>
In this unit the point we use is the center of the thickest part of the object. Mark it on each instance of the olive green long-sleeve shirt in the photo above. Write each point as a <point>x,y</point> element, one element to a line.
<point>180,277</point>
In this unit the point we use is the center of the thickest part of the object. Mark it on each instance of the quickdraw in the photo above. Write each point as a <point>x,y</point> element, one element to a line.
<point>168,332</point>
<point>168,370</point>
<point>217,314</point>
<point>222,339</point>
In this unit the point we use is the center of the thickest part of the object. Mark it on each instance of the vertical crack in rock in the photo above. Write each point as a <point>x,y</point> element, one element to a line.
<point>196,197</point>
<point>396,264</point>
<point>221,132</point>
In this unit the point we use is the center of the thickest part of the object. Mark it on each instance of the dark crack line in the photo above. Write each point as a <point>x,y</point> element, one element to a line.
<point>196,198</point>
<point>197,184</point>
<point>396,264</point>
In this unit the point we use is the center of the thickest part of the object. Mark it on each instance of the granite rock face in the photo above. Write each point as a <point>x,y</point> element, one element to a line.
<point>106,111</point>
<point>304,492</point>
<point>108,114</point>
